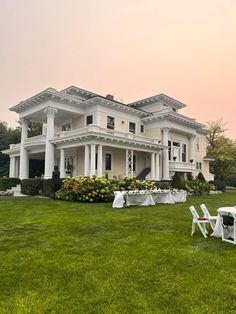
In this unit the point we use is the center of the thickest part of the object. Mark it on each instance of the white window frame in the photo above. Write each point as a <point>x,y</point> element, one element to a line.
<point>135,124</point>
<point>104,161</point>
<point>142,125</point>
<point>87,115</point>
<point>114,122</point>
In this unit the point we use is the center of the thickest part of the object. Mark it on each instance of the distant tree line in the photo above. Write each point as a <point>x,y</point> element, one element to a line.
<point>9,136</point>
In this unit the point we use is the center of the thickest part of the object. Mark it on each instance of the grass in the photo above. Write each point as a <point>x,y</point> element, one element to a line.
<point>61,257</point>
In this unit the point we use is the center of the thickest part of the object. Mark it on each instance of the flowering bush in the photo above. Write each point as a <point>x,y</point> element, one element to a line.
<point>96,189</point>
<point>197,187</point>
<point>131,183</point>
<point>86,189</point>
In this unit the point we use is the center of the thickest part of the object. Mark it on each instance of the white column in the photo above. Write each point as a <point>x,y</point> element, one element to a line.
<point>17,167</point>
<point>165,155</point>
<point>24,156</point>
<point>49,153</point>
<point>13,167</point>
<point>153,166</point>
<point>99,163</point>
<point>192,148</point>
<point>93,159</point>
<point>62,163</point>
<point>157,167</point>
<point>10,167</point>
<point>86,160</point>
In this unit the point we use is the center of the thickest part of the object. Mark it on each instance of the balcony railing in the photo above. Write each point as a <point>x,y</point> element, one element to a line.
<point>35,140</point>
<point>99,130</point>
<point>182,166</point>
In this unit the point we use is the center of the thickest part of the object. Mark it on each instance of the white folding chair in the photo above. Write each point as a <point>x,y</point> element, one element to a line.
<point>206,214</point>
<point>200,221</point>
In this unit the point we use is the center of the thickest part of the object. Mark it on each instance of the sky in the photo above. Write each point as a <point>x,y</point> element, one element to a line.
<point>129,48</point>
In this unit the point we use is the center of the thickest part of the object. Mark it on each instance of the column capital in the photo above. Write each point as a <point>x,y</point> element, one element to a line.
<point>50,111</point>
<point>24,121</point>
<point>192,136</point>
<point>165,130</point>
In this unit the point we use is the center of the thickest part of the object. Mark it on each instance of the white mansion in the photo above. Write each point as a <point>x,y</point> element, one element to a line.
<point>88,134</point>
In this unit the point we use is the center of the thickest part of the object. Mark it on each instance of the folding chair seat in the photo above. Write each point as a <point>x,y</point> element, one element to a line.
<point>200,221</point>
<point>206,214</point>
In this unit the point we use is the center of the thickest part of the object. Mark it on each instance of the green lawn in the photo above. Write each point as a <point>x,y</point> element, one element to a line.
<point>61,257</point>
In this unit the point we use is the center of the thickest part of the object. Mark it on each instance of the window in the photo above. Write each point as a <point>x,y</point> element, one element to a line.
<point>169,150</point>
<point>198,165</point>
<point>141,128</point>
<point>89,119</point>
<point>132,127</point>
<point>66,127</point>
<point>107,162</point>
<point>134,162</point>
<point>110,123</point>
<point>184,150</point>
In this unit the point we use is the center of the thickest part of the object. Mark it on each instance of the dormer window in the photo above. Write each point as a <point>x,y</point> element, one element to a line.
<point>89,119</point>
<point>132,127</point>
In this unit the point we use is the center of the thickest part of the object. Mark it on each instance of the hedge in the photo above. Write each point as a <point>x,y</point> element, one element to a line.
<point>38,186</point>
<point>7,183</point>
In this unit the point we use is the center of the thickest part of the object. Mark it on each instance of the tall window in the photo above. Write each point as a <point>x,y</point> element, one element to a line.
<point>199,165</point>
<point>184,150</point>
<point>169,150</point>
<point>107,162</point>
<point>110,123</point>
<point>89,119</point>
<point>132,127</point>
<point>141,128</point>
<point>134,162</point>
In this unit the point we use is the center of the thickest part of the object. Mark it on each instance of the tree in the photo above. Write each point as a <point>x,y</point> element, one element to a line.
<point>7,136</point>
<point>222,150</point>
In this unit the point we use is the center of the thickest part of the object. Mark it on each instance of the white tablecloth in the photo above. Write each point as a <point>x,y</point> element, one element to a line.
<point>145,198</point>
<point>218,230</point>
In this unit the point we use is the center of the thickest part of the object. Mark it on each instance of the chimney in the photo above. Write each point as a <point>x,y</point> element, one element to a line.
<point>110,97</point>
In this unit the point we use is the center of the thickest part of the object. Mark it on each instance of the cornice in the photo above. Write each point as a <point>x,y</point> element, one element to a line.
<point>174,117</point>
<point>153,99</point>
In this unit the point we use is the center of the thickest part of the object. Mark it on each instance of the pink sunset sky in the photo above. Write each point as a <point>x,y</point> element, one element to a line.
<point>129,48</point>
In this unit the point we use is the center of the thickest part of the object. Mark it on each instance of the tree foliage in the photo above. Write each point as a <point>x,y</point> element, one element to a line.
<point>223,150</point>
<point>7,136</point>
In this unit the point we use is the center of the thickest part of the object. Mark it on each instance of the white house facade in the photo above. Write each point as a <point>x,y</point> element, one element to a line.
<point>87,134</point>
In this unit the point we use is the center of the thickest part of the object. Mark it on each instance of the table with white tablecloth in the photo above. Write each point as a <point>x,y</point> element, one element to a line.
<point>225,232</point>
<point>149,197</point>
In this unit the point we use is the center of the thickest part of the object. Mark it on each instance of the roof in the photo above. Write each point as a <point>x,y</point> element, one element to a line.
<point>154,99</point>
<point>167,114</point>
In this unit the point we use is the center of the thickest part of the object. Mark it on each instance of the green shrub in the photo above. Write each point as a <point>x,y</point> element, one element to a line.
<point>178,182</point>
<point>219,184</point>
<point>31,186</point>
<point>164,185</point>
<point>7,183</point>
<point>189,176</point>
<point>48,187</point>
<point>201,177</point>
<point>197,187</point>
